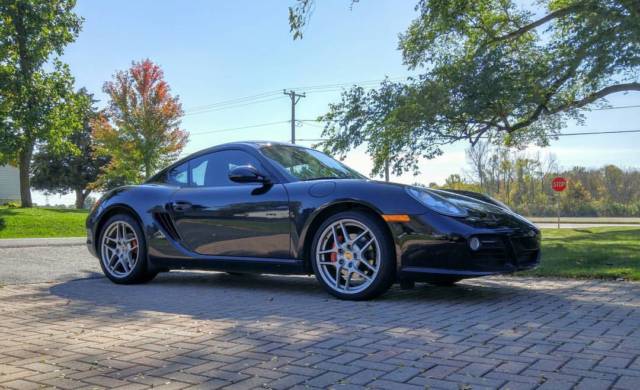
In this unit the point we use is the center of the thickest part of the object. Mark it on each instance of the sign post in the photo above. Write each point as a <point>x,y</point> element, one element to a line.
<point>558,184</point>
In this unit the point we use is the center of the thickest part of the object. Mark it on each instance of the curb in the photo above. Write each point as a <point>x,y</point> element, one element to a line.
<point>42,242</point>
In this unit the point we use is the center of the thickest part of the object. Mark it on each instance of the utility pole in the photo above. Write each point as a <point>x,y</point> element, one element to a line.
<point>386,170</point>
<point>295,97</point>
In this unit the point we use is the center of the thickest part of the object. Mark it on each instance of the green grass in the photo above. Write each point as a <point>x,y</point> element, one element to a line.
<point>41,222</point>
<point>603,252</point>
<point>589,220</point>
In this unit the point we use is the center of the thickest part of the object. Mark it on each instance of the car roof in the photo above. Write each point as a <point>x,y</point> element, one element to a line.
<point>238,145</point>
<point>229,145</point>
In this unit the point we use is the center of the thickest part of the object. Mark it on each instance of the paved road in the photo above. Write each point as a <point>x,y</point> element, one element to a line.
<point>212,330</point>
<point>583,225</point>
<point>42,242</point>
<point>41,260</point>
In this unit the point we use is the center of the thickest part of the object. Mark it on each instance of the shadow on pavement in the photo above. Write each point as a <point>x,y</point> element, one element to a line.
<point>190,322</point>
<point>247,297</point>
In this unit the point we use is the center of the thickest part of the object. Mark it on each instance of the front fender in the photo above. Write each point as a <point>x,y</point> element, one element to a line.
<point>309,206</point>
<point>139,201</point>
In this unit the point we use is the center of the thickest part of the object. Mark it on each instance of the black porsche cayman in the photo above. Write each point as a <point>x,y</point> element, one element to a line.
<point>278,208</point>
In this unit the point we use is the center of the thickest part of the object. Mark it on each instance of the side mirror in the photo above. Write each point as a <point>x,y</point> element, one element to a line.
<point>247,174</point>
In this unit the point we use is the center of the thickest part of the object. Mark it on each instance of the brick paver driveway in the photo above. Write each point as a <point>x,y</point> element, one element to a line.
<point>215,330</point>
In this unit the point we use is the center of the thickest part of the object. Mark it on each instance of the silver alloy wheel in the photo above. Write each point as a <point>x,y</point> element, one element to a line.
<point>120,250</point>
<point>348,256</point>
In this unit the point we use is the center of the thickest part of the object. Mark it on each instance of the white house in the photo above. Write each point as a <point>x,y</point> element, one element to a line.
<point>9,184</point>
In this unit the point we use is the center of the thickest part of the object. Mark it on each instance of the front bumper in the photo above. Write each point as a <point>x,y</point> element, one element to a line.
<point>433,247</point>
<point>91,246</point>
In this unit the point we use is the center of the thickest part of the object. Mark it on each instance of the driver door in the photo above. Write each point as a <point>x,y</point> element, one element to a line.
<point>217,217</point>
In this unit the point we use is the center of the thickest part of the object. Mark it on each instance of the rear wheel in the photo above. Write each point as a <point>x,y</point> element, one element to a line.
<point>353,257</point>
<point>123,251</point>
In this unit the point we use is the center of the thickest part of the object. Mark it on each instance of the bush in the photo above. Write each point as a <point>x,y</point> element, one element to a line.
<point>580,209</point>
<point>613,209</point>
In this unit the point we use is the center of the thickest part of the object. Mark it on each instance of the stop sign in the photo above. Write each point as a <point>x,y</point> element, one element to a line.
<point>559,184</point>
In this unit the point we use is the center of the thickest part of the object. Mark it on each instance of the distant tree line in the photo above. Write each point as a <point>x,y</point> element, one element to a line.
<point>523,182</point>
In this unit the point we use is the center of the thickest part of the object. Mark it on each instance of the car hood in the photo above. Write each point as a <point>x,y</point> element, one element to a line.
<point>479,213</point>
<point>476,208</point>
<point>485,213</point>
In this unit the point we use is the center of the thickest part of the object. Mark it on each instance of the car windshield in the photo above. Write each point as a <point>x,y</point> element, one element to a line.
<point>308,164</point>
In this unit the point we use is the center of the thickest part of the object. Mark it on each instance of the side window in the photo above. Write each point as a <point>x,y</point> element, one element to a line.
<point>198,171</point>
<point>179,176</point>
<point>212,170</point>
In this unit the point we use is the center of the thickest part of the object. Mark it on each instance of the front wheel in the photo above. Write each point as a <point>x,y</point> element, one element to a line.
<point>123,251</point>
<point>353,256</point>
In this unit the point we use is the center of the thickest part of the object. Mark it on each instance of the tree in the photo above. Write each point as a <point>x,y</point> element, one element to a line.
<point>488,69</point>
<point>139,130</point>
<point>478,156</point>
<point>613,182</point>
<point>456,182</point>
<point>32,99</point>
<point>523,181</point>
<point>74,170</point>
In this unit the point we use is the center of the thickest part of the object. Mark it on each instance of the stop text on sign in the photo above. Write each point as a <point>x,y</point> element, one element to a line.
<point>559,184</point>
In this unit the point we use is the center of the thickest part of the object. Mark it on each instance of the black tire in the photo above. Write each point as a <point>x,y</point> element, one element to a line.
<point>387,268</point>
<point>140,273</point>
<point>444,281</point>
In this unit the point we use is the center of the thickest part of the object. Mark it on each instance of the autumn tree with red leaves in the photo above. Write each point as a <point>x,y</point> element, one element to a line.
<point>139,130</point>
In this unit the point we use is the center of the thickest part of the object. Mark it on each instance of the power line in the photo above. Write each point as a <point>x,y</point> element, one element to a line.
<point>615,107</point>
<point>594,132</point>
<point>310,88</point>
<point>238,128</point>
<point>247,103</point>
<point>598,132</point>
<point>584,109</point>
<point>365,82</point>
<point>311,124</point>
<point>203,111</point>
<point>321,88</point>
<point>558,135</point>
<point>234,101</point>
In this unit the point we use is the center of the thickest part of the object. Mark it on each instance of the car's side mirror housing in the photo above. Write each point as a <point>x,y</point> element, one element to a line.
<point>247,174</point>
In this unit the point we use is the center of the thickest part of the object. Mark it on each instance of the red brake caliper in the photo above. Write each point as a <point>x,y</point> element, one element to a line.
<point>334,256</point>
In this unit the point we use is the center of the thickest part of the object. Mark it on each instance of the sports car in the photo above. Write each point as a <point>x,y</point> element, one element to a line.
<point>275,208</point>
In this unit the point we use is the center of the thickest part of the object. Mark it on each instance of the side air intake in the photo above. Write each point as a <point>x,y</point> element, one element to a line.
<point>165,221</point>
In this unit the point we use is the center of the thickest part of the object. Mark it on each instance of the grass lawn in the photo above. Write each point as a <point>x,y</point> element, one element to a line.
<point>603,252</point>
<point>41,222</point>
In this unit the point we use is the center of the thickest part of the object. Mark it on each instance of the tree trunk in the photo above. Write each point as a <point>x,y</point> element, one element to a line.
<point>147,170</point>
<point>25,183</point>
<point>26,73</point>
<point>81,196</point>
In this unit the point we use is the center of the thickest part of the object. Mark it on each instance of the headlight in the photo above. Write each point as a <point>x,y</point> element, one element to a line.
<point>436,202</point>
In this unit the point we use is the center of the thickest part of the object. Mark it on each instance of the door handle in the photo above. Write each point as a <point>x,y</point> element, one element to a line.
<point>181,206</point>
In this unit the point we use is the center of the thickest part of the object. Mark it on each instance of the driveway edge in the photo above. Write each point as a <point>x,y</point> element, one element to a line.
<point>40,242</point>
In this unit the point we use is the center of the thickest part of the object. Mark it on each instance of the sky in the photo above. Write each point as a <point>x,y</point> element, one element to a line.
<point>216,51</point>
